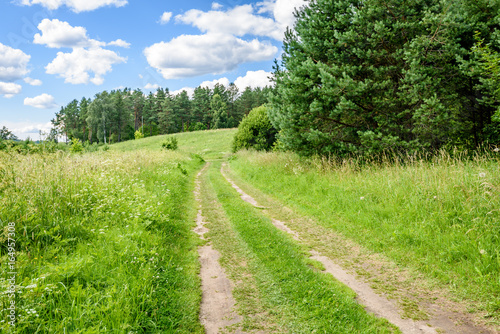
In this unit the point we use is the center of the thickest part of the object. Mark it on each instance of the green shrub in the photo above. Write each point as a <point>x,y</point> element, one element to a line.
<point>138,135</point>
<point>199,126</point>
<point>170,143</point>
<point>255,131</point>
<point>76,146</point>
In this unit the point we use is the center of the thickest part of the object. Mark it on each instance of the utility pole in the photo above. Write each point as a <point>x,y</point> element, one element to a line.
<point>142,130</point>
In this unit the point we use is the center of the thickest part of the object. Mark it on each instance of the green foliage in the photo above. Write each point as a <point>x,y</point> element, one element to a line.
<point>219,111</point>
<point>490,65</point>
<point>368,76</point>
<point>255,131</point>
<point>29,147</point>
<point>76,146</point>
<point>115,116</point>
<point>170,143</point>
<point>199,127</point>
<point>138,135</point>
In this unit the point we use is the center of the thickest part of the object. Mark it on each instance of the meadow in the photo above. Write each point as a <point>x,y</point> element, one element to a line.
<point>103,242</point>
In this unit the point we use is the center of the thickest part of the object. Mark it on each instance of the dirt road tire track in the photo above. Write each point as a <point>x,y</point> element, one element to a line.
<point>217,304</point>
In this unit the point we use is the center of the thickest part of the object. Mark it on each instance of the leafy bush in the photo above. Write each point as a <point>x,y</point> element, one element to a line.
<point>76,146</point>
<point>199,126</point>
<point>138,135</point>
<point>170,143</point>
<point>255,131</point>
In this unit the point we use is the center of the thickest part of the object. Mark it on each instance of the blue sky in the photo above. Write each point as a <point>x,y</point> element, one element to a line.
<point>53,51</point>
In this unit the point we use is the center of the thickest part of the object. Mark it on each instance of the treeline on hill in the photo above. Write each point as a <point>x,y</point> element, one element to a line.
<point>115,116</point>
<point>368,76</point>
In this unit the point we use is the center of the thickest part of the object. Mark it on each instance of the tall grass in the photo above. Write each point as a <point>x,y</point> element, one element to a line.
<point>103,242</point>
<point>438,215</point>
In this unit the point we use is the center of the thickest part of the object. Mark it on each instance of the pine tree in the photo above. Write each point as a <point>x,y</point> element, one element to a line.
<point>200,106</point>
<point>219,112</point>
<point>367,76</point>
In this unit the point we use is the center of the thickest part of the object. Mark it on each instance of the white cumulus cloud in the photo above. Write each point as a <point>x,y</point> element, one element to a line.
<point>216,6</point>
<point>88,55</point>
<point>75,67</point>
<point>229,38</point>
<point>33,82</point>
<point>254,79</point>
<point>151,86</point>
<point>282,10</point>
<point>211,84</point>
<point>75,5</point>
<point>120,43</point>
<point>189,91</point>
<point>13,63</point>
<point>239,21</point>
<point>193,55</point>
<point>9,89</point>
<point>43,101</point>
<point>165,18</point>
<point>59,34</point>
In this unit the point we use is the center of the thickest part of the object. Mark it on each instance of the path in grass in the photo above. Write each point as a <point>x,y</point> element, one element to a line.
<point>440,320</point>
<point>216,311</point>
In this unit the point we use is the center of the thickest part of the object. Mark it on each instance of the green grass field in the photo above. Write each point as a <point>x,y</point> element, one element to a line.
<point>213,144</point>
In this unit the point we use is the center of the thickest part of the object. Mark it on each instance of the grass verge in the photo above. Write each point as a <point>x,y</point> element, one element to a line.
<point>103,243</point>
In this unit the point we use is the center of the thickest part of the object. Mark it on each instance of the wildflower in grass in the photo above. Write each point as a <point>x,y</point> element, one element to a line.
<point>496,149</point>
<point>482,175</point>
<point>362,198</point>
<point>482,252</point>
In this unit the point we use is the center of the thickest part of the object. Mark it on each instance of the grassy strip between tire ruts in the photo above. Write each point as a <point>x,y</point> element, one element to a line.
<point>103,243</point>
<point>235,258</point>
<point>304,300</point>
